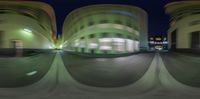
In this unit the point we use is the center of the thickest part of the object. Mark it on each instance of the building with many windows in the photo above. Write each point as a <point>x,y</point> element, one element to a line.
<point>184,31</point>
<point>106,29</point>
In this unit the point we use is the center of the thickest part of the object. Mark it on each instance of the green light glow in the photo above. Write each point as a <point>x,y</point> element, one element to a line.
<point>27,32</point>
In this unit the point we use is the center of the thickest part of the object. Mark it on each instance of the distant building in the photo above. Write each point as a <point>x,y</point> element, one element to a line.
<point>184,31</point>
<point>106,29</point>
<point>158,42</point>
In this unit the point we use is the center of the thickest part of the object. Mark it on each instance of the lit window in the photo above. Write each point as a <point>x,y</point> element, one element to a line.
<point>105,40</point>
<point>92,45</point>
<point>118,40</point>
<point>130,45</point>
<point>105,48</point>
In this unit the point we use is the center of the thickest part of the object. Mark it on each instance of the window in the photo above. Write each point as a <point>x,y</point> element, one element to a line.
<point>173,40</point>
<point>118,22</point>
<point>196,22</point>
<point>119,35</point>
<point>129,37</point>
<point>129,24</point>
<point>104,21</point>
<point>81,27</point>
<point>1,38</point>
<point>90,23</point>
<point>195,39</point>
<point>91,35</point>
<point>82,38</point>
<point>104,35</point>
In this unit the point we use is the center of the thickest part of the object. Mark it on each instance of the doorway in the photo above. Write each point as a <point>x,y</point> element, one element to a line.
<point>195,39</point>
<point>1,38</point>
<point>17,45</point>
<point>173,40</point>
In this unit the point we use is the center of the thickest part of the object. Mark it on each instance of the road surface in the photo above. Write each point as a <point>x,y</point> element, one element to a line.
<point>156,83</point>
<point>24,70</point>
<point>185,68</point>
<point>107,72</point>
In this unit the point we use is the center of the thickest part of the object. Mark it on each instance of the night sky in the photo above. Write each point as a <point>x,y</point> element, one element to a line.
<point>158,20</point>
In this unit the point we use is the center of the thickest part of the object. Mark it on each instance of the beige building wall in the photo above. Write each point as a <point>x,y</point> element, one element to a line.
<point>30,23</point>
<point>183,26</point>
<point>117,21</point>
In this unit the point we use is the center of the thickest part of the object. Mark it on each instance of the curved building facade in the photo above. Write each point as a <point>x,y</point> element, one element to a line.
<point>27,29</point>
<point>184,31</point>
<point>105,29</point>
<point>26,25</point>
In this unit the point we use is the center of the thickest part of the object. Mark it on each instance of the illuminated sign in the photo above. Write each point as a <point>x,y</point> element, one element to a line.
<point>158,38</point>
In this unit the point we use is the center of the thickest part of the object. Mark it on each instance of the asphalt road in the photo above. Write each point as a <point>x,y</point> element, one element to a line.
<point>183,67</point>
<point>24,70</point>
<point>156,83</point>
<point>107,72</point>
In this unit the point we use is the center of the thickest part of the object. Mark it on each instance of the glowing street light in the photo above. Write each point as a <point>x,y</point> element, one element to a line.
<point>27,32</point>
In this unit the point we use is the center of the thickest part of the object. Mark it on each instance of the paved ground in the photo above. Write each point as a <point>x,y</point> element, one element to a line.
<point>107,72</point>
<point>156,83</point>
<point>24,70</point>
<point>183,67</point>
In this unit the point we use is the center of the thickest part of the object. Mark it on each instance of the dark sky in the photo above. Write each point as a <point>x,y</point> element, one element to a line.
<point>158,20</point>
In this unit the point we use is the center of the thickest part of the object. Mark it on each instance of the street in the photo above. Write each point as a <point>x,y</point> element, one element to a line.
<point>154,83</point>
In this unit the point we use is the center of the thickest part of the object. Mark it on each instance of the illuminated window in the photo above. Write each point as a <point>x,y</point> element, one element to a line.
<point>76,43</point>
<point>105,43</point>
<point>119,44</point>
<point>158,38</point>
<point>82,44</point>
<point>136,45</point>
<point>92,44</point>
<point>151,38</point>
<point>130,45</point>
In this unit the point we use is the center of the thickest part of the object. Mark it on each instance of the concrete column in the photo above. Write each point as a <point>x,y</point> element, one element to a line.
<point>113,51</point>
<point>125,45</point>
<point>134,45</point>
<point>79,48</point>
<point>97,36</point>
<point>86,44</point>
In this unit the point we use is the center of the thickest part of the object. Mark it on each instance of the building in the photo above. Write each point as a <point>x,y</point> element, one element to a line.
<point>26,29</point>
<point>158,42</point>
<point>106,29</point>
<point>28,25</point>
<point>184,31</point>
